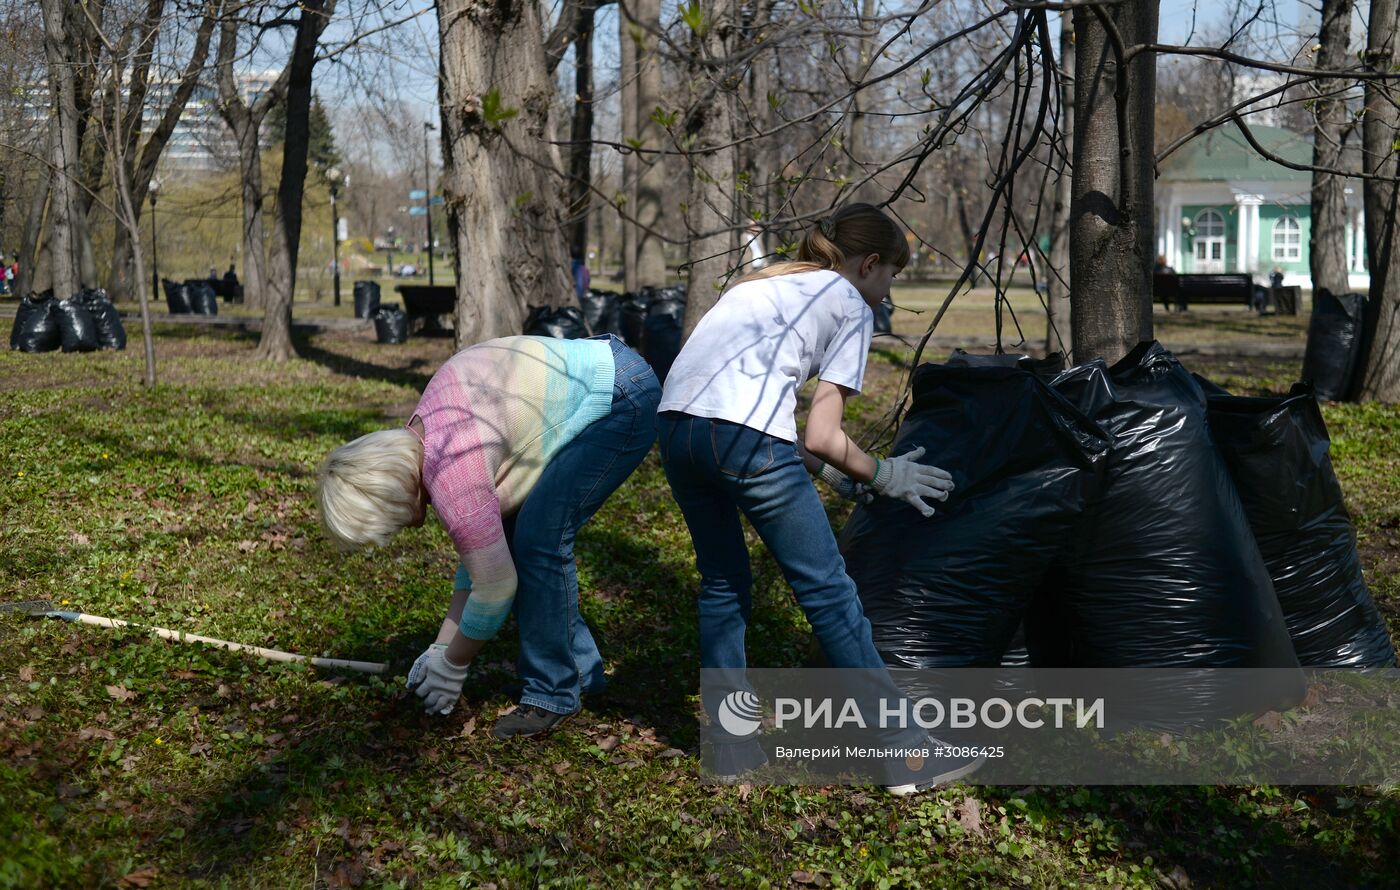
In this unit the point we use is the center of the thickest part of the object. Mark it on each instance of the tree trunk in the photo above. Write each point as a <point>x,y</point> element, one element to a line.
<point>581,133</point>
<point>64,123</point>
<point>1380,132</point>
<point>756,157</point>
<point>856,141</point>
<point>627,80</point>
<point>275,339</point>
<point>1057,295</point>
<point>651,180</point>
<point>501,181</point>
<point>25,281</point>
<point>1111,206</point>
<point>710,209</point>
<point>1327,243</point>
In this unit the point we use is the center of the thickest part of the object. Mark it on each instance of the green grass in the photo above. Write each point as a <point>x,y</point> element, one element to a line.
<point>189,506</point>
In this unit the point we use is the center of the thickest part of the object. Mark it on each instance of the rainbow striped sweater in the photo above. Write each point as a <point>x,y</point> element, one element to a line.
<point>493,416</point>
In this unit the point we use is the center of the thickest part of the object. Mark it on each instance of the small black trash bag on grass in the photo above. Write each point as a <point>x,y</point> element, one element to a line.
<point>366,299</point>
<point>601,311</point>
<point>632,311</point>
<point>77,330</point>
<point>391,324</point>
<point>661,336</point>
<point>36,326</point>
<point>951,590</point>
<point>177,296</point>
<point>1334,343</point>
<point>111,334</point>
<point>564,323</point>
<point>203,300</point>
<point>1276,450</point>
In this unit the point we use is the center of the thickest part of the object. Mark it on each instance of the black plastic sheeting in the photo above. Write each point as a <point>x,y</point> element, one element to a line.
<point>111,334</point>
<point>632,311</point>
<point>662,330</point>
<point>601,311</point>
<point>1044,368</point>
<point>1277,452</point>
<point>77,330</point>
<point>36,325</point>
<point>950,591</point>
<point>1334,343</point>
<point>203,299</point>
<point>391,324</point>
<point>177,297</point>
<point>366,299</point>
<point>564,323</point>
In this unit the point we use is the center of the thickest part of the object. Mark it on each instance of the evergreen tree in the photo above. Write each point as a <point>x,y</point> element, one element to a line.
<point>322,153</point>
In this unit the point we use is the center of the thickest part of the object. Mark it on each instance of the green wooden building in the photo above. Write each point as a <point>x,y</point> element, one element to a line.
<point>1221,207</point>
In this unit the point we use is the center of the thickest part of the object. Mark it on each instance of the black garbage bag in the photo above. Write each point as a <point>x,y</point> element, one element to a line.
<point>564,323</point>
<point>661,337</point>
<point>111,334</point>
<point>951,590</point>
<point>177,297</point>
<point>1334,343</point>
<point>1044,368</point>
<point>203,300</point>
<point>77,330</point>
<point>883,316</point>
<point>36,326</point>
<point>632,311</point>
<point>366,299</point>
<point>601,311</point>
<point>1164,571</point>
<point>1277,452</point>
<point>391,324</point>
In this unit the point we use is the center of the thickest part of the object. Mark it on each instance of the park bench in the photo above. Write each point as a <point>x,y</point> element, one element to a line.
<point>1230,289</point>
<point>428,303</point>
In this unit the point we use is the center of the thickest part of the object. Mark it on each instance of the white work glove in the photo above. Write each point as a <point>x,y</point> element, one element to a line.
<point>845,486</point>
<point>437,680</point>
<point>903,478</point>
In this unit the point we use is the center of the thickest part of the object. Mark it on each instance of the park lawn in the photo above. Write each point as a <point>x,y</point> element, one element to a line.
<point>189,506</point>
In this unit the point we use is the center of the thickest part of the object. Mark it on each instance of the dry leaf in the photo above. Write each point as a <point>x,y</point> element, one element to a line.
<point>183,674</point>
<point>140,878</point>
<point>969,814</point>
<point>120,693</point>
<point>562,767</point>
<point>34,712</point>
<point>95,733</point>
<point>468,728</point>
<point>80,539</point>
<point>607,744</point>
<point>1270,720</point>
<point>671,752</point>
<point>744,791</point>
<point>26,674</point>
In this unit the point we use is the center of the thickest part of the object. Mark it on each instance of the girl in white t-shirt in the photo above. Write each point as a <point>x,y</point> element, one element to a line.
<point>729,443</point>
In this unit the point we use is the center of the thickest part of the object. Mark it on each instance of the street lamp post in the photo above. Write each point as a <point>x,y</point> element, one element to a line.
<point>154,190</point>
<point>428,197</point>
<point>333,174</point>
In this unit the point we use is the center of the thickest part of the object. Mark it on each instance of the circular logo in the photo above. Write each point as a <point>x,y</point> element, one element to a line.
<point>739,713</point>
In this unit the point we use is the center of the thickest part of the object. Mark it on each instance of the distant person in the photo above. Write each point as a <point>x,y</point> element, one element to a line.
<point>582,277</point>
<point>1276,278</point>
<point>1166,284</point>
<point>231,286</point>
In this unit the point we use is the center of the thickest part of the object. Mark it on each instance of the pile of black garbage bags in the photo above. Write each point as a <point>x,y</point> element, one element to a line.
<point>84,322</point>
<point>1124,516</point>
<point>650,321</point>
<point>193,296</point>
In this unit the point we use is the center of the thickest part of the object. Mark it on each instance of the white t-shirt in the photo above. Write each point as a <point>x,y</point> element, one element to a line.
<point>762,341</point>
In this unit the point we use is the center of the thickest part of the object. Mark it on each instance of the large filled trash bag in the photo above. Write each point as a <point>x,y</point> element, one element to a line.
<point>203,299</point>
<point>1334,343</point>
<point>632,309</point>
<point>111,333</point>
<point>1044,368</point>
<point>177,296</point>
<point>391,324</point>
<point>951,590</point>
<point>36,326</point>
<point>564,323</point>
<point>1277,452</point>
<point>661,338</point>
<point>601,311</point>
<point>77,330</point>
<point>366,299</point>
<point>1163,570</point>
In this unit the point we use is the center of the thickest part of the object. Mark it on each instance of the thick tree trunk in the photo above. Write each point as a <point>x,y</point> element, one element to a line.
<point>1380,134</point>
<point>651,180</point>
<point>627,96</point>
<point>857,142</point>
<point>581,133</point>
<point>502,182</point>
<point>756,157</point>
<point>710,205</point>
<point>1111,206</point>
<point>1057,295</point>
<point>1327,243</point>
<point>64,123</point>
<point>275,339</point>
<point>26,281</point>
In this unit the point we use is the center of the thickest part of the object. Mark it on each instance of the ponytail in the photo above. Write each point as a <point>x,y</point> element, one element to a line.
<point>853,230</point>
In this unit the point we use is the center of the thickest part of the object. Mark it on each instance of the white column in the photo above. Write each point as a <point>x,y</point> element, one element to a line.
<point>1358,228</point>
<point>1169,233</point>
<point>1252,261</point>
<point>1241,233</point>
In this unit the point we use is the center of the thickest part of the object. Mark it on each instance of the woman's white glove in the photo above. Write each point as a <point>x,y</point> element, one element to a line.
<point>845,486</point>
<point>437,680</point>
<point>903,478</point>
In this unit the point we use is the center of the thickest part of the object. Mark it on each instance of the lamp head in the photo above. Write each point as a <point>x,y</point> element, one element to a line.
<point>333,175</point>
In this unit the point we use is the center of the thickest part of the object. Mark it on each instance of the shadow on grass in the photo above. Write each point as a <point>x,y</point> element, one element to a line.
<point>349,365</point>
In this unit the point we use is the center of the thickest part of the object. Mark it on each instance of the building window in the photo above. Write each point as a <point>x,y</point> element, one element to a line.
<point>1288,240</point>
<point>1210,224</point>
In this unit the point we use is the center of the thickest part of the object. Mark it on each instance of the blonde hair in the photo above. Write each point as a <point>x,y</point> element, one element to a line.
<point>852,230</point>
<point>369,489</point>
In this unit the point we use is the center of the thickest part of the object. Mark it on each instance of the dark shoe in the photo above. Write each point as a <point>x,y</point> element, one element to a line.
<point>729,763</point>
<point>526,721</point>
<point>935,771</point>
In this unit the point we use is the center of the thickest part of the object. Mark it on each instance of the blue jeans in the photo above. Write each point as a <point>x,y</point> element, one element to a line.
<point>558,658</point>
<point>717,469</point>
